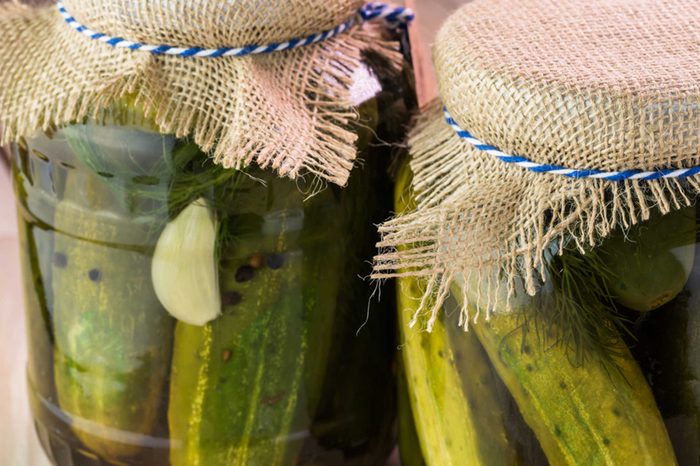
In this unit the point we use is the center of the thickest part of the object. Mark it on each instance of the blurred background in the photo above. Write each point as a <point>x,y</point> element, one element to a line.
<point>18,444</point>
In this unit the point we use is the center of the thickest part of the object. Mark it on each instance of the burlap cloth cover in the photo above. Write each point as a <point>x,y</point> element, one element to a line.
<point>601,84</point>
<point>289,110</point>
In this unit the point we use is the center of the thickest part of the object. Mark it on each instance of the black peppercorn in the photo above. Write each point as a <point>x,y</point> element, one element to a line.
<point>60,260</point>
<point>245,273</point>
<point>95,275</point>
<point>231,298</point>
<point>275,261</point>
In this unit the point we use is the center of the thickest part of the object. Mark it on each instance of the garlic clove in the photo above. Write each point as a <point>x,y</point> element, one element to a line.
<point>184,271</point>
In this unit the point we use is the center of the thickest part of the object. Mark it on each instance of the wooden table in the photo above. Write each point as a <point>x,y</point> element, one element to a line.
<point>18,444</point>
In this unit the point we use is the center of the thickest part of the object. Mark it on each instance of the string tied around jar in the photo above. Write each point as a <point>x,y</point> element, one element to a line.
<point>558,123</point>
<point>250,82</point>
<point>393,16</point>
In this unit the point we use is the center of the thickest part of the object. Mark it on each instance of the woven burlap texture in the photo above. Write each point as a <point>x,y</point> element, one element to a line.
<point>287,110</point>
<point>604,84</point>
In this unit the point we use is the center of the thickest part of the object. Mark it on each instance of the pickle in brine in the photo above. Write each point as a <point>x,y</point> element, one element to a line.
<point>459,417</point>
<point>667,346</point>
<point>650,264</point>
<point>453,390</point>
<point>240,392</point>
<point>409,443</point>
<point>235,390</point>
<point>34,177</point>
<point>347,418</point>
<point>580,414</point>
<point>112,337</point>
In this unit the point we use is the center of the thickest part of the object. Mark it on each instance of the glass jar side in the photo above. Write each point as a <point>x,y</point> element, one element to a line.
<point>116,379</point>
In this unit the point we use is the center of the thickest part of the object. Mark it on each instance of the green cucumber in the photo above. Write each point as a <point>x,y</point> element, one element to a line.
<point>453,390</point>
<point>357,418</point>
<point>112,337</point>
<point>667,347</point>
<point>35,179</point>
<point>650,264</point>
<point>323,267</point>
<point>580,415</point>
<point>459,417</point>
<point>243,386</point>
<point>409,443</point>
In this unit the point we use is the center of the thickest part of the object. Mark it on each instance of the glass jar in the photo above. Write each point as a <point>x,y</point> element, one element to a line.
<point>599,367</point>
<point>180,313</point>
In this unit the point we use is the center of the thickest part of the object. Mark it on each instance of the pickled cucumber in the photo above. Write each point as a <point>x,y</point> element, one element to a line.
<point>346,419</point>
<point>112,337</point>
<point>650,264</point>
<point>458,416</point>
<point>35,214</point>
<point>581,415</point>
<point>241,391</point>
<point>322,268</point>
<point>34,177</point>
<point>667,346</point>
<point>409,443</point>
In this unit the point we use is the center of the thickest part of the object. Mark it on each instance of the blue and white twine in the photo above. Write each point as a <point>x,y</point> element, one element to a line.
<point>396,17</point>
<point>632,174</point>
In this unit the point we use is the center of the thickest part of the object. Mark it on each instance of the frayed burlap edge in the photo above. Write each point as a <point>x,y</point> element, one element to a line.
<point>304,127</point>
<point>493,225</point>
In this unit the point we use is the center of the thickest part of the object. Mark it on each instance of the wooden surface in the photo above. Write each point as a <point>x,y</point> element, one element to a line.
<point>430,14</point>
<point>18,444</point>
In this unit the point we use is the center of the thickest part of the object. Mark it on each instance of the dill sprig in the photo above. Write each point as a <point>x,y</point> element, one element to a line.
<point>160,184</point>
<point>575,311</point>
<point>149,173</point>
<point>166,184</point>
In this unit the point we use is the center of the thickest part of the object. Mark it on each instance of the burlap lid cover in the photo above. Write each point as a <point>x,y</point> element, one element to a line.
<point>290,110</point>
<point>602,84</point>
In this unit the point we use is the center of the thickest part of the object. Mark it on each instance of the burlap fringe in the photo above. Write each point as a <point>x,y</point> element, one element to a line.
<point>474,222</point>
<point>327,153</point>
